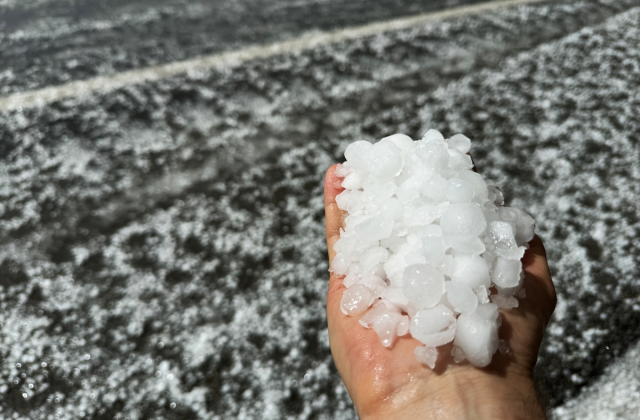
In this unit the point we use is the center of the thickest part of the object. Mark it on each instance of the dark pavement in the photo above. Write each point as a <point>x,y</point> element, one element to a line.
<point>52,42</point>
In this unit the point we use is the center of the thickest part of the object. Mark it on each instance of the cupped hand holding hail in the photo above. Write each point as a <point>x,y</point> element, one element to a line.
<point>389,383</point>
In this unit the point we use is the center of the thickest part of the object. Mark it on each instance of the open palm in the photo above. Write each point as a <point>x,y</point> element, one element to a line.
<point>390,383</point>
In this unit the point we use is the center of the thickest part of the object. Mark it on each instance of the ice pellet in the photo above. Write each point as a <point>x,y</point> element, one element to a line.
<point>461,297</point>
<point>357,154</point>
<point>434,327</point>
<point>477,334</point>
<point>423,285</point>
<point>386,326</point>
<point>372,257</point>
<point>471,270</point>
<point>391,208</point>
<point>463,219</point>
<point>460,142</point>
<point>458,191</point>
<point>384,160</point>
<point>465,244</point>
<point>375,228</point>
<point>356,299</point>
<point>427,247</point>
<point>506,272</point>
<point>426,355</point>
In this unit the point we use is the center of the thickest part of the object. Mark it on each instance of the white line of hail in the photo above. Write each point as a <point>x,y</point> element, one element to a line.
<point>41,97</point>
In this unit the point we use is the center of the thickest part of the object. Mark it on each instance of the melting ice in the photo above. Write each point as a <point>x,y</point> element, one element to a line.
<point>428,248</point>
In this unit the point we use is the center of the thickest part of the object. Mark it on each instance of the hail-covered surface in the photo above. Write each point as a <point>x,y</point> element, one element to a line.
<point>78,39</point>
<point>161,246</point>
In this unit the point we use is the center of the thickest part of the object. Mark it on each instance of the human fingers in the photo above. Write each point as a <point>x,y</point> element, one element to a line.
<point>338,324</point>
<point>333,222</point>
<point>538,276</point>
<point>333,215</point>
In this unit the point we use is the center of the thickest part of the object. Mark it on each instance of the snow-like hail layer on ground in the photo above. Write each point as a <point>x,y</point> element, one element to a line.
<point>427,247</point>
<point>110,256</point>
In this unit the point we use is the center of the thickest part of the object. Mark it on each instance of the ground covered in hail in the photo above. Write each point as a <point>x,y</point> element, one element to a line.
<point>162,246</point>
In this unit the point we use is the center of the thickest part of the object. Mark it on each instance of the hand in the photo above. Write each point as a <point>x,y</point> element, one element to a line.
<point>389,383</point>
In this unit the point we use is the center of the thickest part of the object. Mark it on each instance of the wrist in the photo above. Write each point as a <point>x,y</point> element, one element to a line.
<point>490,396</point>
<point>461,395</point>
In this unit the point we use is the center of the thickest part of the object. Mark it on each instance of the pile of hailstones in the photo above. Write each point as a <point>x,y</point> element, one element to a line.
<point>427,246</point>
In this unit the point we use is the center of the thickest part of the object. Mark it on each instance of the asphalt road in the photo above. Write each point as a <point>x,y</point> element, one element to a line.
<point>162,244</point>
<point>51,42</point>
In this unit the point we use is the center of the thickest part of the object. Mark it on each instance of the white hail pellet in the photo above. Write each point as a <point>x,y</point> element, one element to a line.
<point>425,240</point>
